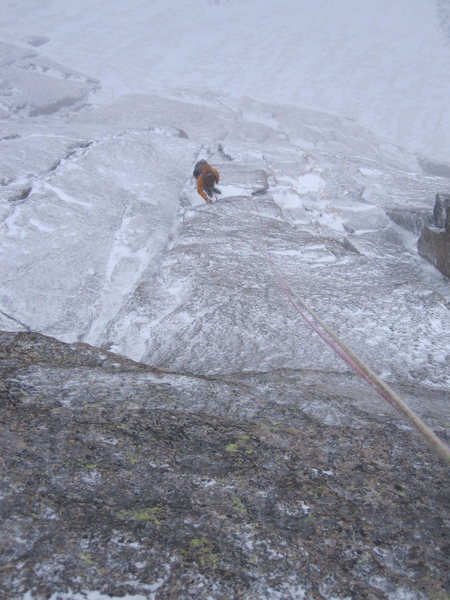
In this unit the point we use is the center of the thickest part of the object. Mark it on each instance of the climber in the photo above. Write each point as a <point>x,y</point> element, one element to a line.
<point>207,177</point>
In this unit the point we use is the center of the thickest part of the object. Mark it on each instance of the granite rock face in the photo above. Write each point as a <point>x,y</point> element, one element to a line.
<point>122,480</point>
<point>441,212</point>
<point>434,242</point>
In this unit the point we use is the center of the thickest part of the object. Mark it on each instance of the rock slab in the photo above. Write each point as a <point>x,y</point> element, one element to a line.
<point>115,485</point>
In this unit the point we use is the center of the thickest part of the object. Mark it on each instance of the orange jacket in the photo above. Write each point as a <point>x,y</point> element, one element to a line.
<point>200,186</point>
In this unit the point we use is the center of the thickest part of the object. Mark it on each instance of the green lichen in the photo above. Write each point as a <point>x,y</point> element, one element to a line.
<point>433,589</point>
<point>84,463</point>
<point>271,426</point>
<point>131,458</point>
<point>238,505</point>
<point>243,444</point>
<point>150,513</point>
<point>122,426</point>
<point>231,448</point>
<point>201,550</point>
<point>87,558</point>
<point>439,595</point>
<point>132,405</point>
<point>93,405</point>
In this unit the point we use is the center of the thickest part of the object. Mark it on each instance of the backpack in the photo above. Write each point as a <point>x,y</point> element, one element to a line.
<point>209,179</point>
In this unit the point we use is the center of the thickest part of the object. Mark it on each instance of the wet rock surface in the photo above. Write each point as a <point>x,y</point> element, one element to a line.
<point>128,481</point>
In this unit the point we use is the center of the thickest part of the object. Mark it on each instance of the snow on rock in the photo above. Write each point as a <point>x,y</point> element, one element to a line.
<point>84,233</point>
<point>35,85</point>
<point>114,246</point>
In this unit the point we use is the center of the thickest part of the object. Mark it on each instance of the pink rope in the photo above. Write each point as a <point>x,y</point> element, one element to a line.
<point>328,340</point>
<point>387,394</point>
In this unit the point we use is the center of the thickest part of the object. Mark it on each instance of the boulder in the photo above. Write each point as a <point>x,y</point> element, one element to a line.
<point>441,214</point>
<point>434,241</point>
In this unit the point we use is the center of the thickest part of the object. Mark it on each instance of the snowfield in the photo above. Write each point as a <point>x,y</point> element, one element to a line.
<point>385,63</point>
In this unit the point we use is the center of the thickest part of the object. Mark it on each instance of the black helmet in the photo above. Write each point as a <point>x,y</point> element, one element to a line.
<point>198,167</point>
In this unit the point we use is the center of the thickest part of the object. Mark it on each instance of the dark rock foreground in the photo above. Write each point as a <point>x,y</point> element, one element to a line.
<point>129,482</point>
